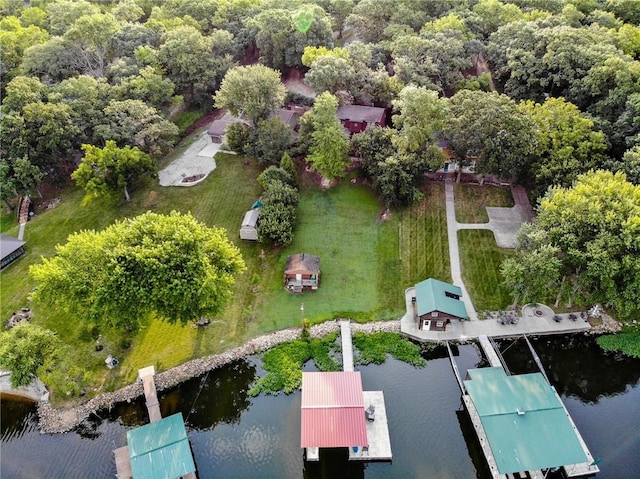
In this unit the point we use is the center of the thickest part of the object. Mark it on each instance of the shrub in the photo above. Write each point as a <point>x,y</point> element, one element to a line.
<point>274,173</point>
<point>238,135</point>
<point>281,193</point>
<point>276,224</point>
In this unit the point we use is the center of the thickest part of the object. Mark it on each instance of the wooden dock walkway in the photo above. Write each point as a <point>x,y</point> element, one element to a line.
<point>347,346</point>
<point>150,394</point>
<point>489,352</point>
<point>123,463</point>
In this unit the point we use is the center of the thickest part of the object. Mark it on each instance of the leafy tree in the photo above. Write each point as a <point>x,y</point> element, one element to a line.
<point>33,16</point>
<point>532,275</point>
<point>149,86</point>
<point>278,192</point>
<point>330,73</point>
<point>63,14</point>
<point>21,91</point>
<point>276,224</point>
<point>54,60</point>
<point>421,118</point>
<point>329,143</point>
<point>91,34</point>
<point>103,171</point>
<point>490,126</point>
<point>568,143</point>
<point>494,13</point>
<point>131,36</point>
<point>25,350</point>
<point>281,42</point>
<point>14,40</point>
<point>373,146</point>
<point>169,265</point>
<point>238,136</point>
<point>274,173</point>
<point>287,164</point>
<point>311,54</point>
<point>133,122</point>
<point>394,183</point>
<point>197,63</point>
<point>369,18</point>
<point>87,97</point>
<point>18,177</point>
<point>253,92</point>
<point>594,226</point>
<point>269,140</point>
<point>629,165</point>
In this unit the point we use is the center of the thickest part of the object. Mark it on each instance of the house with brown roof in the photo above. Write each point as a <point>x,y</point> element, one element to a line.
<point>302,271</point>
<point>356,118</point>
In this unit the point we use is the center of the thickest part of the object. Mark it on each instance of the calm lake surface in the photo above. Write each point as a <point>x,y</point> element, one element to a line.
<point>235,436</point>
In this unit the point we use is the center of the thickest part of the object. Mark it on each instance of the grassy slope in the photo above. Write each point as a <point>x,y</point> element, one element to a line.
<point>362,275</point>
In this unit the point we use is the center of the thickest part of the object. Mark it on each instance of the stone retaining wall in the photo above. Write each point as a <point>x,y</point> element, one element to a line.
<point>54,420</point>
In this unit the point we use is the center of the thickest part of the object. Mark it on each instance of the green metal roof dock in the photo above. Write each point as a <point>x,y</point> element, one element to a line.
<point>524,420</point>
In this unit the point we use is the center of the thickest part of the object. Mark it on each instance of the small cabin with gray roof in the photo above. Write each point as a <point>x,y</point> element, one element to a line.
<point>302,271</point>
<point>436,303</point>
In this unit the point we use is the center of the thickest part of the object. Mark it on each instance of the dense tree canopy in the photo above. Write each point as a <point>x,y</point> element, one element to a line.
<point>594,227</point>
<point>170,265</point>
<point>104,171</point>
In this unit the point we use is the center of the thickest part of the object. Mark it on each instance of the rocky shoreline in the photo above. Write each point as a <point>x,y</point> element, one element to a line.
<point>52,420</point>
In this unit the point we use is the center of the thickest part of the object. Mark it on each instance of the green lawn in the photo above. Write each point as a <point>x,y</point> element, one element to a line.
<point>424,246</point>
<point>362,274</point>
<point>340,226</point>
<point>471,201</point>
<point>480,259</point>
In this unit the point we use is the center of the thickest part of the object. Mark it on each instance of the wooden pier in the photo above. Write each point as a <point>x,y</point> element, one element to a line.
<point>347,346</point>
<point>150,394</point>
<point>124,469</point>
<point>489,352</point>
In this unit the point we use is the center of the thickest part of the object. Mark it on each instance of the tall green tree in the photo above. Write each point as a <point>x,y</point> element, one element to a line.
<point>133,122</point>
<point>27,349</point>
<point>104,171</point>
<point>567,143</point>
<point>329,142</point>
<point>169,265</point>
<point>253,92</point>
<point>491,127</point>
<point>91,34</point>
<point>595,227</point>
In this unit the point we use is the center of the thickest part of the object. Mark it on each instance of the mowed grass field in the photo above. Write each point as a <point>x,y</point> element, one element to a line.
<point>480,259</point>
<point>367,262</point>
<point>471,201</point>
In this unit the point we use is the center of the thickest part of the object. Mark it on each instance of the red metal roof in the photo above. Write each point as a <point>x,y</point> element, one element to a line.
<point>333,410</point>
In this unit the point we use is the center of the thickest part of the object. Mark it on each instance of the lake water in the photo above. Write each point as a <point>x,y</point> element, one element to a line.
<point>235,436</point>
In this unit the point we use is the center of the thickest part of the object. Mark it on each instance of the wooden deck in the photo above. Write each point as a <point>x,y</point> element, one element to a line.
<point>150,394</point>
<point>377,432</point>
<point>347,346</point>
<point>123,463</point>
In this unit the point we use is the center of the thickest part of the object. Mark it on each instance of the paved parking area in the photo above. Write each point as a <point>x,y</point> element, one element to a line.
<point>197,159</point>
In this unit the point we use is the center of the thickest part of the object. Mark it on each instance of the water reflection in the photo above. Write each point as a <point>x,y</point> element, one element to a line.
<point>235,436</point>
<point>576,366</point>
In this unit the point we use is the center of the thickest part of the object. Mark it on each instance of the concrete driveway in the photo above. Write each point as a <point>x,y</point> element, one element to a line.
<point>197,159</point>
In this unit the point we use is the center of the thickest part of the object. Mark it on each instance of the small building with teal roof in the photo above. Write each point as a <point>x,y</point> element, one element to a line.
<point>436,303</point>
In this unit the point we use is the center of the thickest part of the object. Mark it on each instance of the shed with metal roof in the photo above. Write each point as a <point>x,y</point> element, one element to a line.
<point>10,249</point>
<point>524,420</point>
<point>249,227</point>
<point>436,303</point>
<point>332,410</point>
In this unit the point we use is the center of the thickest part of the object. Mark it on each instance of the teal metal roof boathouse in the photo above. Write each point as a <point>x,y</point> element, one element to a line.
<point>160,450</point>
<point>525,422</point>
<point>436,303</point>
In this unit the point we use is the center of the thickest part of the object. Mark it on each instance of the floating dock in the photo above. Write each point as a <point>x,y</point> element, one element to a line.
<point>150,394</point>
<point>347,346</point>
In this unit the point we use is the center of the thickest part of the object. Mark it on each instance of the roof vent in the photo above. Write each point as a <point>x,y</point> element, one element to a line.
<point>520,412</point>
